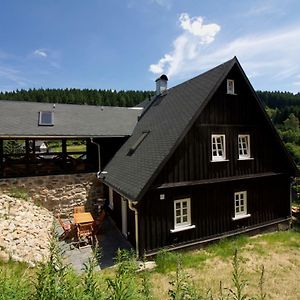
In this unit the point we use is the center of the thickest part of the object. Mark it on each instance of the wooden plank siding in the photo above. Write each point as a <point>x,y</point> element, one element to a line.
<point>212,209</point>
<point>230,115</point>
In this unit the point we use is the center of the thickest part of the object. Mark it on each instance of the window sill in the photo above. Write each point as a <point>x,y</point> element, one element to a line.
<point>246,158</point>
<point>241,217</point>
<point>234,94</point>
<point>223,160</point>
<point>182,228</point>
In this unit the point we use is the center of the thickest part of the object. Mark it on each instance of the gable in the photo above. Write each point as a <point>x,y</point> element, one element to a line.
<point>231,116</point>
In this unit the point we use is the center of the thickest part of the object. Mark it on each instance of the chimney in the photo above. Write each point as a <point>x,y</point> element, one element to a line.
<point>161,84</point>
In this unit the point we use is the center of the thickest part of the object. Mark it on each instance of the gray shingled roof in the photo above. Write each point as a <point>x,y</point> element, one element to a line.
<point>167,120</point>
<point>20,119</point>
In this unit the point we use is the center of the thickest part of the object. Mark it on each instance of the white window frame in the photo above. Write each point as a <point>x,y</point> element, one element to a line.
<point>215,155</point>
<point>110,198</point>
<point>182,210</point>
<point>230,87</point>
<point>246,151</point>
<point>240,205</point>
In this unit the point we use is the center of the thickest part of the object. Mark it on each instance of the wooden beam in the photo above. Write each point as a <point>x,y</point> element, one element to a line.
<point>226,125</point>
<point>1,158</point>
<point>64,151</point>
<point>27,151</point>
<point>215,180</point>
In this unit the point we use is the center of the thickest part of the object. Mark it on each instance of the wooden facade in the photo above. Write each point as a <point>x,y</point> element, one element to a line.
<point>189,172</point>
<point>212,210</point>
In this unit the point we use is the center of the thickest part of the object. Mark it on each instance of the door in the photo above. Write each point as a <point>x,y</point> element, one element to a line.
<point>124,216</point>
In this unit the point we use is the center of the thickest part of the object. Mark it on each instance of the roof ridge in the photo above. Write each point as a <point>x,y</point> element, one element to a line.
<point>234,59</point>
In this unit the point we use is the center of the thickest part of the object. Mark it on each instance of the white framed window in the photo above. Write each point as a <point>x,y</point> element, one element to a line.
<point>240,205</point>
<point>218,147</point>
<point>244,146</point>
<point>111,198</point>
<point>182,215</point>
<point>230,86</point>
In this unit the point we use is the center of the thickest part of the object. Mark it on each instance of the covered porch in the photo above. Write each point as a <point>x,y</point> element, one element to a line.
<point>21,157</point>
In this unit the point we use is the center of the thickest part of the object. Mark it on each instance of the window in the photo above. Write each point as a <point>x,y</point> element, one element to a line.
<point>182,215</point>
<point>230,87</point>
<point>244,146</point>
<point>46,118</point>
<point>218,147</point>
<point>111,198</point>
<point>240,205</point>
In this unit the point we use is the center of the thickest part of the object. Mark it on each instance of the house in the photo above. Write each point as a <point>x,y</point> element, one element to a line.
<point>102,129</point>
<point>203,162</point>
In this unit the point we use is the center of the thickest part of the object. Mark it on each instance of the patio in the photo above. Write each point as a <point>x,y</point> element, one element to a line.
<point>109,239</point>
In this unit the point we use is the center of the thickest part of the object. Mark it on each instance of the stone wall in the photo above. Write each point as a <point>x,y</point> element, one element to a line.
<point>24,229</point>
<point>58,193</point>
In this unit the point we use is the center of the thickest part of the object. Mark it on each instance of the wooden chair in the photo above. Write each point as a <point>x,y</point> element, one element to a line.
<point>85,233</point>
<point>67,228</point>
<point>99,222</point>
<point>79,209</point>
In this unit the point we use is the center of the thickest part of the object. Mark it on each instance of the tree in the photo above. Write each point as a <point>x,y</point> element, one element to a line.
<point>292,122</point>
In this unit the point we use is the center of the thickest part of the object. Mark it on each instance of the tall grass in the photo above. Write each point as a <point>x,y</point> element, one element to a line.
<point>53,280</point>
<point>14,279</point>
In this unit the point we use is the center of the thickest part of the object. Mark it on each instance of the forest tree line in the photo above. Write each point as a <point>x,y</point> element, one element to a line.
<point>78,96</point>
<point>282,107</point>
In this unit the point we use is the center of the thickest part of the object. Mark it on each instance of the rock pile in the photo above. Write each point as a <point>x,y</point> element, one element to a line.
<point>24,230</point>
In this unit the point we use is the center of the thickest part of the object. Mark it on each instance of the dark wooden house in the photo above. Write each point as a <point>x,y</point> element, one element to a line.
<point>204,161</point>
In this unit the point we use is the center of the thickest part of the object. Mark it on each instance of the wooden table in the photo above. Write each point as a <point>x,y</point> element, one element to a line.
<point>84,223</point>
<point>83,218</point>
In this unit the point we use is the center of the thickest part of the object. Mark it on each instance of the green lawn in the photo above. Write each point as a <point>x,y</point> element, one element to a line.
<point>199,270</point>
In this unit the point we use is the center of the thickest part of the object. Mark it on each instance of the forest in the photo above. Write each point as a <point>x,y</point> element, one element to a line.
<point>282,107</point>
<point>284,110</point>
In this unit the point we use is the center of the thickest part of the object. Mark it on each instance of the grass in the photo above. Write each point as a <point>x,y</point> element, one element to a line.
<point>19,193</point>
<point>167,261</point>
<point>70,148</point>
<point>193,274</point>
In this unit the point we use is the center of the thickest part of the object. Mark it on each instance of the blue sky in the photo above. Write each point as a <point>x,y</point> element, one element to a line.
<point>127,44</point>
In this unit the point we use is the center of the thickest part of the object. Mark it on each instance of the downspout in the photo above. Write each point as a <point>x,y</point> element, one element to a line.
<point>136,218</point>
<point>99,156</point>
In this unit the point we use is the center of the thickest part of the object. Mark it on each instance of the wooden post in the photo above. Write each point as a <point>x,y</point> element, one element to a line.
<point>27,150</point>
<point>1,158</point>
<point>64,152</point>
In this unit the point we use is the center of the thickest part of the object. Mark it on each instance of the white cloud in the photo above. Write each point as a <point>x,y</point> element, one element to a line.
<point>274,54</point>
<point>187,45</point>
<point>270,59</point>
<point>40,52</point>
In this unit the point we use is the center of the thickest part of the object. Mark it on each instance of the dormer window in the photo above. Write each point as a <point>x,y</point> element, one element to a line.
<point>230,87</point>
<point>46,118</point>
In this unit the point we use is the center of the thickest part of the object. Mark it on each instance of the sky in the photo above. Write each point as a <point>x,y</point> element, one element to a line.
<point>127,44</point>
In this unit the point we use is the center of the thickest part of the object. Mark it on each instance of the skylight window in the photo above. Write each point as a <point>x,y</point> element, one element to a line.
<point>46,118</point>
<point>138,142</point>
